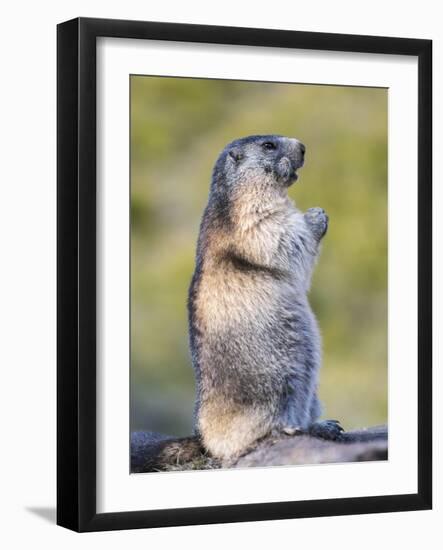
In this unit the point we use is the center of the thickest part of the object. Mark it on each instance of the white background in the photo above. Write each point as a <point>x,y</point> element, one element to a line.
<point>27,277</point>
<point>117,490</point>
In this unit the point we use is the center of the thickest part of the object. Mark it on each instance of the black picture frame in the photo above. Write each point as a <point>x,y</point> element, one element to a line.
<point>76,277</point>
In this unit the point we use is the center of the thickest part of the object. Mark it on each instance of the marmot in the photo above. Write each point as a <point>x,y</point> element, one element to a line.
<point>254,339</point>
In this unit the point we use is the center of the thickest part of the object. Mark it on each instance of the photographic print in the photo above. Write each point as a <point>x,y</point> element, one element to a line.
<point>258,262</point>
<point>237,211</point>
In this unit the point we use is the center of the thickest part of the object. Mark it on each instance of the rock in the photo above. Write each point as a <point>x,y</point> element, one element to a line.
<point>304,449</point>
<point>155,452</point>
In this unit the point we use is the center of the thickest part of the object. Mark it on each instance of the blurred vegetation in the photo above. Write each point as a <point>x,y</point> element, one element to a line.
<point>178,128</point>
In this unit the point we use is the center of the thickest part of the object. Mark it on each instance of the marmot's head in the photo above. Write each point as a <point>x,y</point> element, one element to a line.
<point>269,161</point>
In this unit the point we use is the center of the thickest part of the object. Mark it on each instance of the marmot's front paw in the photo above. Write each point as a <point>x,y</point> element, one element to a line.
<point>318,220</point>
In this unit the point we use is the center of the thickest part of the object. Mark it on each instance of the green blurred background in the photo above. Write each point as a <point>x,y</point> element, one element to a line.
<point>178,128</point>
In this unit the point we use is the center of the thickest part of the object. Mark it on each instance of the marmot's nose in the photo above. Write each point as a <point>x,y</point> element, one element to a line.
<point>298,147</point>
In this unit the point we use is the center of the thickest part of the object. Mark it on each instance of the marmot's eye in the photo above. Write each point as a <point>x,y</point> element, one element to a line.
<point>269,146</point>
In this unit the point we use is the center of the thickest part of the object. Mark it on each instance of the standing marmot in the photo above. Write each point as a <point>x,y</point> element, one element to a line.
<point>254,340</point>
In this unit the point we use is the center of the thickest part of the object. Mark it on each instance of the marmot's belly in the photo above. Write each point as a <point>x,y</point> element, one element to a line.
<point>236,300</point>
<point>251,337</point>
<point>252,305</point>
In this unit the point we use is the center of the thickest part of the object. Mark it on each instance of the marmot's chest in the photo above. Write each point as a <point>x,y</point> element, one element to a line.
<point>227,297</point>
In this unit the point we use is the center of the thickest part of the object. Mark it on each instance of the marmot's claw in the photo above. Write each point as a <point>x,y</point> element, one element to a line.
<point>326,429</point>
<point>317,220</point>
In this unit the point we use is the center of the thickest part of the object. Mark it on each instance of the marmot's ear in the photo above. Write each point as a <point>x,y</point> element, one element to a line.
<point>236,155</point>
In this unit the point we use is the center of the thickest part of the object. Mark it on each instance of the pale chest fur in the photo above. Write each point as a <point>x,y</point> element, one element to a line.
<point>228,298</point>
<point>229,294</point>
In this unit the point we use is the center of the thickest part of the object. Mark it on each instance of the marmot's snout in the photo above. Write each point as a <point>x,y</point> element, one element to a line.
<point>294,159</point>
<point>298,153</point>
<point>302,149</point>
